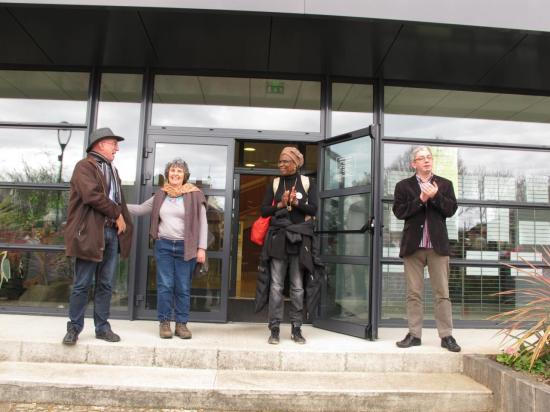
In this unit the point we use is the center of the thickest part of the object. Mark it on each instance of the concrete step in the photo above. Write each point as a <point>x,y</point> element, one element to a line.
<point>197,355</point>
<point>238,390</point>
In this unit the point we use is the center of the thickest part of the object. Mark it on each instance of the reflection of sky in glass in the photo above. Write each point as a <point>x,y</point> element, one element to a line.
<point>343,122</point>
<point>235,117</point>
<point>43,111</point>
<point>123,120</point>
<point>489,161</point>
<point>435,127</point>
<point>37,149</point>
<point>207,163</point>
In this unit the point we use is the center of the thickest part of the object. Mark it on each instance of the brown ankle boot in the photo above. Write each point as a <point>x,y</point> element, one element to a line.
<point>182,331</point>
<point>165,331</point>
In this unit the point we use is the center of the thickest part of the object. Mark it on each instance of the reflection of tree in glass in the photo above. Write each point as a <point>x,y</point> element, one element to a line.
<point>29,216</point>
<point>30,211</point>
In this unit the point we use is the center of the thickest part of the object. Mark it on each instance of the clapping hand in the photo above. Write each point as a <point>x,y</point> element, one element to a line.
<point>428,191</point>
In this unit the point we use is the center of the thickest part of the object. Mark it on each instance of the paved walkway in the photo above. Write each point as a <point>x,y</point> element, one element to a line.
<point>49,329</point>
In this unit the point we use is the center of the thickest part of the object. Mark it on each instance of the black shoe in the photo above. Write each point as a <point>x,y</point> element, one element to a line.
<point>107,335</point>
<point>274,338</point>
<point>296,335</point>
<point>409,341</point>
<point>450,344</point>
<point>71,336</point>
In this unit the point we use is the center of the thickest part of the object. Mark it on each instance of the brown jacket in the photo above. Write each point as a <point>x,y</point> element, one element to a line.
<point>192,202</point>
<point>89,207</point>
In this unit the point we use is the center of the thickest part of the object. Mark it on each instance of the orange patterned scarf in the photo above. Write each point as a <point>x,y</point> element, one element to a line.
<point>178,190</point>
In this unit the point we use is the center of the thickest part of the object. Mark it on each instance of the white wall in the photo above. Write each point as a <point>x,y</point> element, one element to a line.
<point>512,14</point>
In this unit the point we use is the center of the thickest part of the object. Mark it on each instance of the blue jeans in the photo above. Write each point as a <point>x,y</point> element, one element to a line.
<point>173,280</point>
<point>103,272</point>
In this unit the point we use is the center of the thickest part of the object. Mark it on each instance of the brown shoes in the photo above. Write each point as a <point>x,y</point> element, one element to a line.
<point>165,332</point>
<point>182,331</point>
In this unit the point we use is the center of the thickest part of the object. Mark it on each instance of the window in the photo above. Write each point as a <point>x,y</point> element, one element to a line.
<point>461,115</point>
<point>43,97</point>
<point>352,106</point>
<point>237,103</point>
<point>46,116</point>
<point>119,109</point>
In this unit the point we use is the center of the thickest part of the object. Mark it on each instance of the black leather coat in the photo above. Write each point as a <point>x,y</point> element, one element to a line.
<point>282,234</point>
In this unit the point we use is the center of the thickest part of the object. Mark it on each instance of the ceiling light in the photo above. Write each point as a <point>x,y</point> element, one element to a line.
<point>249,149</point>
<point>250,165</point>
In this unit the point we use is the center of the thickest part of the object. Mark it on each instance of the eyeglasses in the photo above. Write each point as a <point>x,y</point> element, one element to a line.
<point>422,158</point>
<point>285,162</point>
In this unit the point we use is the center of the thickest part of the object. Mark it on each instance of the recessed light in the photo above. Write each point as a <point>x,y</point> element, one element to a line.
<point>249,149</point>
<point>250,165</point>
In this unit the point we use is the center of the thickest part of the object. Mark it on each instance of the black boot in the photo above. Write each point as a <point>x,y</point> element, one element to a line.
<point>274,338</point>
<point>71,336</point>
<point>296,335</point>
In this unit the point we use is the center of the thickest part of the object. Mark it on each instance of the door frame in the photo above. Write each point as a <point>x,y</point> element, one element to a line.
<point>141,312</point>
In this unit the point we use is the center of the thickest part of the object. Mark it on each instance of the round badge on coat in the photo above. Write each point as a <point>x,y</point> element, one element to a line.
<point>299,195</point>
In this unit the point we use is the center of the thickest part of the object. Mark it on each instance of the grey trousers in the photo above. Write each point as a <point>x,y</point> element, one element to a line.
<point>438,267</point>
<point>276,298</point>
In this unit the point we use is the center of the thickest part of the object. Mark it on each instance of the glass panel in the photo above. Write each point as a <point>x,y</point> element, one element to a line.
<point>214,215</point>
<point>483,233</point>
<point>205,289</point>
<point>32,216</point>
<point>348,164</point>
<point>478,174</point>
<point>119,109</point>
<point>471,290</point>
<point>476,116</point>
<point>207,163</point>
<point>256,154</point>
<point>119,299</point>
<point>41,279</point>
<point>43,97</point>
<point>351,107</point>
<point>347,292</point>
<point>36,156</point>
<point>238,103</point>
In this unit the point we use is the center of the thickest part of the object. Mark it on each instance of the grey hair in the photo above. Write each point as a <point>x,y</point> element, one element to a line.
<point>417,149</point>
<point>179,163</point>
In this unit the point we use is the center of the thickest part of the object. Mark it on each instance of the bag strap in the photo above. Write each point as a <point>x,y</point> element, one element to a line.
<point>276,182</point>
<point>305,182</point>
<point>304,179</point>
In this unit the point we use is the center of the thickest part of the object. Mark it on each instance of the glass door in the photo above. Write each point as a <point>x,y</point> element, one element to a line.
<point>346,227</point>
<point>210,162</point>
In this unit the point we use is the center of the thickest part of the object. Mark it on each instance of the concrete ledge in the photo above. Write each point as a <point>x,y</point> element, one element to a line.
<point>237,390</point>
<point>193,357</point>
<point>512,391</point>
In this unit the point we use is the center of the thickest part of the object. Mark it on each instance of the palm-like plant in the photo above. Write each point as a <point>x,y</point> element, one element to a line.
<point>529,325</point>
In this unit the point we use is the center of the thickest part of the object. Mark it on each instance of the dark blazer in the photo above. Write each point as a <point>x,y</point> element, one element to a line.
<point>408,206</point>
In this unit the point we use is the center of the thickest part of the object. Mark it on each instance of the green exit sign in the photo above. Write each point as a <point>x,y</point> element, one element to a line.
<point>274,87</point>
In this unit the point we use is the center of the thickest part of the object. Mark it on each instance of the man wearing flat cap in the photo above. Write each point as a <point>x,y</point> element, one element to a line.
<point>98,227</point>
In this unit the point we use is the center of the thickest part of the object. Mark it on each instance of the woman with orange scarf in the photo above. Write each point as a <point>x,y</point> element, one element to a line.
<point>179,228</point>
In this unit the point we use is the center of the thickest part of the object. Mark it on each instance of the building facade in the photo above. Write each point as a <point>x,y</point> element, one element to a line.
<point>226,85</point>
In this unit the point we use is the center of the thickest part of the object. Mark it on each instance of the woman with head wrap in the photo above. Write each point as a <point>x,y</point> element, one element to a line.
<point>179,228</point>
<point>291,202</point>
